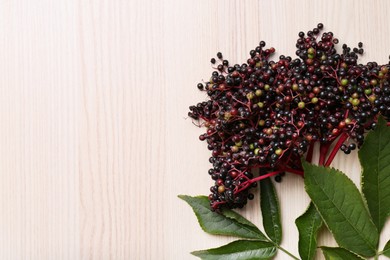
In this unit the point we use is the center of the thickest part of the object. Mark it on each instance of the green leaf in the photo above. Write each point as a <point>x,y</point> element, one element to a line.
<point>386,250</point>
<point>235,216</point>
<point>231,224</point>
<point>239,250</point>
<point>342,208</point>
<point>374,156</point>
<point>337,253</point>
<point>270,210</point>
<point>308,224</point>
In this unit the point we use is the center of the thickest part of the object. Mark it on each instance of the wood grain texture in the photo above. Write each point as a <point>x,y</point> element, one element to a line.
<point>95,142</point>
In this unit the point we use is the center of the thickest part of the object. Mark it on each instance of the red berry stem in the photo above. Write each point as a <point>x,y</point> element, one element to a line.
<point>246,184</point>
<point>336,148</point>
<point>324,148</point>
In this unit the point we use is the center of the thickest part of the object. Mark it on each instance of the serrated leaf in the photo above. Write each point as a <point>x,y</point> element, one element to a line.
<point>337,253</point>
<point>239,250</point>
<point>374,157</point>
<point>270,210</point>
<point>308,224</point>
<point>341,207</point>
<point>218,224</point>
<point>235,216</point>
<point>386,250</point>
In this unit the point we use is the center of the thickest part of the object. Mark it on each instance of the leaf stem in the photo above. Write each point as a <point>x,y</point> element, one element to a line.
<point>287,252</point>
<point>380,253</point>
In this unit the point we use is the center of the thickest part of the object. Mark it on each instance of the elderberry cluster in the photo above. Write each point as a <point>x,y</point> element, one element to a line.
<point>266,114</point>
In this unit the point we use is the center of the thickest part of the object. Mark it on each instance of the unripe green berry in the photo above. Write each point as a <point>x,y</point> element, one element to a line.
<point>227,115</point>
<point>250,95</point>
<point>355,101</point>
<point>344,82</point>
<point>234,149</point>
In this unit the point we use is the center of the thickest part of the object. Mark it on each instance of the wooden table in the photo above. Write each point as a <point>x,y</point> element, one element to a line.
<point>95,143</point>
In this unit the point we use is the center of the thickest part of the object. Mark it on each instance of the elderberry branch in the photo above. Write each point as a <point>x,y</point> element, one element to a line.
<point>268,114</point>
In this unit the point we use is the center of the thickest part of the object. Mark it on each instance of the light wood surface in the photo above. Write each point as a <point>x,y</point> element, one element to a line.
<point>95,143</point>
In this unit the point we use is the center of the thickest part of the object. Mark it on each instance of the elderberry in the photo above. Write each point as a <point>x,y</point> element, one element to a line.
<point>267,113</point>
